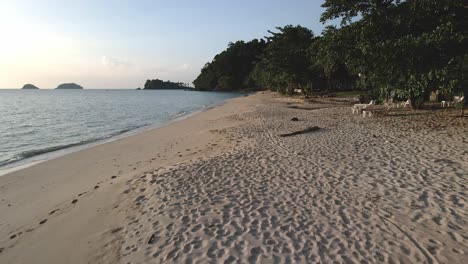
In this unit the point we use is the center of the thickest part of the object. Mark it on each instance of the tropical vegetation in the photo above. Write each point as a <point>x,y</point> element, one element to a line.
<point>165,85</point>
<point>390,48</point>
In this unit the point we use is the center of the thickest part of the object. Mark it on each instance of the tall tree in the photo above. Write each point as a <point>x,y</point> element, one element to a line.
<point>332,59</point>
<point>407,48</point>
<point>230,70</point>
<point>284,63</point>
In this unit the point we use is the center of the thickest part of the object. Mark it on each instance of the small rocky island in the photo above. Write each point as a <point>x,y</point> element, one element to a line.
<point>165,85</point>
<point>29,86</point>
<point>69,86</point>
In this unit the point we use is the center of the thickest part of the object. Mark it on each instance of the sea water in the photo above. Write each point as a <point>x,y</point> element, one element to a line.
<point>38,122</point>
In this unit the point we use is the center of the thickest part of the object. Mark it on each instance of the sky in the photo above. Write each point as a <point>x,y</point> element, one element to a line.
<point>122,43</point>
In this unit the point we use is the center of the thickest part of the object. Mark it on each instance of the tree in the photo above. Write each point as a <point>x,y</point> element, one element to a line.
<point>407,48</point>
<point>164,85</point>
<point>284,63</point>
<point>331,57</point>
<point>230,70</point>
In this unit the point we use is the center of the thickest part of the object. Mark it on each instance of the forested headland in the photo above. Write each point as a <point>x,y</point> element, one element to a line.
<point>389,48</point>
<point>165,85</point>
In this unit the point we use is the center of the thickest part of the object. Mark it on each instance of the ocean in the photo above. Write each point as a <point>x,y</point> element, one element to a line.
<point>40,124</point>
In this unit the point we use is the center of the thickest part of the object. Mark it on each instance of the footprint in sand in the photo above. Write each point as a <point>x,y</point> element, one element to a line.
<point>52,212</point>
<point>153,239</point>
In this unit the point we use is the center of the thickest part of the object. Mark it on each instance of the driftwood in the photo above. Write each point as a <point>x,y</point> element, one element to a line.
<point>307,130</point>
<point>311,108</point>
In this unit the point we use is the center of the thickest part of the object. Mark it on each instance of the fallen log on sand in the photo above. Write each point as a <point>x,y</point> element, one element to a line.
<point>307,130</point>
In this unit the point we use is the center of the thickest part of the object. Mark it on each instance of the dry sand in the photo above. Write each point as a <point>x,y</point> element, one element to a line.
<point>223,187</point>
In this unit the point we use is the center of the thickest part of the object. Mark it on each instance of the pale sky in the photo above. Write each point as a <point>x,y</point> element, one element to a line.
<point>120,44</point>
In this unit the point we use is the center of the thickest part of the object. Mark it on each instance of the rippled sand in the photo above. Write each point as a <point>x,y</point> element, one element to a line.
<point>381,190</point>
<point>389,189</point>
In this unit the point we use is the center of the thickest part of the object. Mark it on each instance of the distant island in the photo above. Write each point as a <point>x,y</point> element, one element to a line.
<point>69,86</point>
<point>165,85</point>
<point>29,86</point>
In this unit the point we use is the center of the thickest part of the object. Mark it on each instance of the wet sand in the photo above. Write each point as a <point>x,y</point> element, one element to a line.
<point>224,187</point>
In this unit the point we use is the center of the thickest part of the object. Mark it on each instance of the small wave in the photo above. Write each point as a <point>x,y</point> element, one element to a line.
<point>120,132</point>
<point>33,153</point>
<point>8,161</point>
<point>36,152</point>
<point>179,114</point>
<point>30,141</point>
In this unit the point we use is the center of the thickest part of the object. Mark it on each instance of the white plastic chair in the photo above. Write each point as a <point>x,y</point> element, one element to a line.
<point>407,103</point>
<point>359,107</point>
<point>366,113</point>
<point>458,99</point>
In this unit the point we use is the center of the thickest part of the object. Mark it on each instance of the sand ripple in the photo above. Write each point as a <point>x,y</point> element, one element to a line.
<point>357,191</point>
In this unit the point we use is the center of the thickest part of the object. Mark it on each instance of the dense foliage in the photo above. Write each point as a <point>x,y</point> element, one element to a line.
<point>230,70</point>
<point>165,85</point>
<point>284,64</point>
<point>404,49</point>
<point>392,48</point>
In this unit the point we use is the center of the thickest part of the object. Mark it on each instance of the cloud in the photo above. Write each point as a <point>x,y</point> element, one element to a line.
<point>185,67</point>
<point>112,62</point>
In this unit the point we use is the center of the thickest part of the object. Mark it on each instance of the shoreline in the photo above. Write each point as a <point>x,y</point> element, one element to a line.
<point>64,201</point>
<point>46,156</point>
<point>222,185</point>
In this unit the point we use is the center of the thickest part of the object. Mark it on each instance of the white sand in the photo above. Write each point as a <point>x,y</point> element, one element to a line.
<point>222,186</point>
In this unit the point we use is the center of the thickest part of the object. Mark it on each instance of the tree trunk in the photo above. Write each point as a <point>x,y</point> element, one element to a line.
<point>464,103</point>
<point>462,110</point>
<point>412,103</point>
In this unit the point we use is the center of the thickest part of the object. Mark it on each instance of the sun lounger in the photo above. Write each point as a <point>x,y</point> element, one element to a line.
<point>366,113</point>
<point>456,100</point>
<point>407,103</point>
<point>357,108</point>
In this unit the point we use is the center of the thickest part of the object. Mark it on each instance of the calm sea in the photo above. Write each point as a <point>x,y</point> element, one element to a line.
<point>40,122</point>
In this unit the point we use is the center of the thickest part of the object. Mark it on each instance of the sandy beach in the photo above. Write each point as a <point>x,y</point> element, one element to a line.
<point>222,186</point>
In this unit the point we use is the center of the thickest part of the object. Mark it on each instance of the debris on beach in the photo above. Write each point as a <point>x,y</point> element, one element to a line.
<point>304,131</point>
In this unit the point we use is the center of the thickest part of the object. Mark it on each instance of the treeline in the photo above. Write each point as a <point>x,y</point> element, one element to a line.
<point>231,69</point>
<point>165,85</point>
<point>391,48</point>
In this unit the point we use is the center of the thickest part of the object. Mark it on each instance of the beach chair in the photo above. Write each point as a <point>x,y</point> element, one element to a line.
<point>357,108</point>
<point>407,103</point>
<point>366,113</point>
<point>298,91</point>
<point>389,103</point>
<point>458,99</point>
